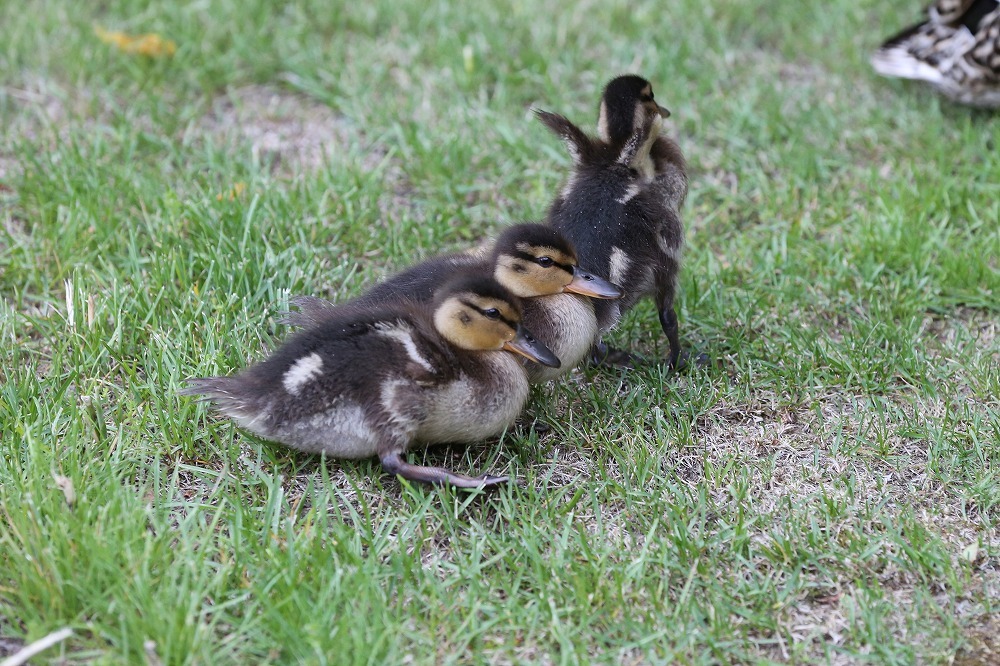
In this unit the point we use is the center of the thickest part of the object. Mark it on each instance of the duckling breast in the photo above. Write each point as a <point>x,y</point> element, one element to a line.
<point>480,403</point>
<point>567,325</point>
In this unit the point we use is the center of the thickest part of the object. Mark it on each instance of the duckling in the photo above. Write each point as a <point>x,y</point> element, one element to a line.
<point>535,262</point>
<point>956,50</point>
<point>380,380</point>
<point>621,205</point>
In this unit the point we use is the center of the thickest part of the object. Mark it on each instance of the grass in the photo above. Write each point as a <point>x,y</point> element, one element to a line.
<point>825,491</point>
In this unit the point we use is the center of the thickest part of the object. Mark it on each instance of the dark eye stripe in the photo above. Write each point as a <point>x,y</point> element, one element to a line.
<point>503,319</point>
<point>481,311</point>
<point>566,267</point>
<point>509,322</point>
<point>569,268</point>
<point>534,259</point>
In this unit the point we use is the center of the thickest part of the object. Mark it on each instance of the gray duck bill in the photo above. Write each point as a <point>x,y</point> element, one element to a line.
<point>589,284</point>
<point>527,345</point>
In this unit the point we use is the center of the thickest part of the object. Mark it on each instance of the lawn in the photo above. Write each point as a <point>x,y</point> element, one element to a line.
<point>824,490</point>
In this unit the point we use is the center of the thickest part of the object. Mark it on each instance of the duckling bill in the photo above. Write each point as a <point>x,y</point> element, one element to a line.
<point>535,262</point>
<point>621,204</point>
<point>381,380</point>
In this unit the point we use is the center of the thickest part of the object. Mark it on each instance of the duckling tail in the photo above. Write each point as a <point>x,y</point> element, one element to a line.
<point>311,312</point>
<point>226,392</point>
<point>234,397</point>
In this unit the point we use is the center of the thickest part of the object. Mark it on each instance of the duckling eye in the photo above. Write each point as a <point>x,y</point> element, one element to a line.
<point>545,262</point>
<point>492,313</point>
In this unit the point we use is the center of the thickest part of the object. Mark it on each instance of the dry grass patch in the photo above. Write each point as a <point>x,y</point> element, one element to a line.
<point>975,324</point>
<point>805,459</point>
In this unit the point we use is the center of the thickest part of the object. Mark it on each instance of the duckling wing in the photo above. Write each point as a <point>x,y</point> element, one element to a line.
<point>625,230</point>
<point>347,354</point>
<point>418,283</point>
<point>413,285</point>
<point>671,172</point>
<point>581,147</point>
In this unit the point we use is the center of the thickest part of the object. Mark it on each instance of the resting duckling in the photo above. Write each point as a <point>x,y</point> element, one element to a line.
<point>535,262</point>
<point>621,205</point>
<point>378,381</point>
<point>956,50</point>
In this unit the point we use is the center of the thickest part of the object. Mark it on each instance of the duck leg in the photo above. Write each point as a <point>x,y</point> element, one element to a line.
<point>394,464</point>
<point>666,289</point>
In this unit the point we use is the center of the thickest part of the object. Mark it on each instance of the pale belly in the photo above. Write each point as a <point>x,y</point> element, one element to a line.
<point>470,409</point>
<point>567,325</point>
<point>343,431</point>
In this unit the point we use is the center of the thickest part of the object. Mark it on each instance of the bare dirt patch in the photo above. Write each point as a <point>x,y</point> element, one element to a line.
<point>35,105</point>
<point>983,643</point>
<point>8,645</point>
<point>289,131</point>
<point>291,134</point>
<point>38,103</point>
<point>7,167</point>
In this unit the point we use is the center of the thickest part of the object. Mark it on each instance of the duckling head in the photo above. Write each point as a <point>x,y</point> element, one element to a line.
<point>626,104</point>
<point>477,313</point>
<point>536,260</point>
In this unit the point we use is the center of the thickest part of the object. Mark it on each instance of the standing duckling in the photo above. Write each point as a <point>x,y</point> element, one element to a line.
<point>956,50</point>
<point>535,263</point>
<point>377,381</point>
<point>621,205</point>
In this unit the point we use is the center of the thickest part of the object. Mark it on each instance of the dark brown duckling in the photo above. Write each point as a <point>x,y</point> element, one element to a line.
<point>621,205</point>
<point>379,380</point>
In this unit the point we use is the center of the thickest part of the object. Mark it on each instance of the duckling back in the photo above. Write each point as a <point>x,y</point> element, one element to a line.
<point>414,285</point>
<point>625,228</point>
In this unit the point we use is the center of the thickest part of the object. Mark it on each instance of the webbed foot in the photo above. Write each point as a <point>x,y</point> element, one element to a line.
<point>394,464</point>
<point>688,359</point>
<point>603,355</point>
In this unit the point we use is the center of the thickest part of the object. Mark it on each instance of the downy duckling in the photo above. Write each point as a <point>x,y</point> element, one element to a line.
<point>380,380</point>
<point>535,262</point>
<point>621,205</point>
<point>956,50</point>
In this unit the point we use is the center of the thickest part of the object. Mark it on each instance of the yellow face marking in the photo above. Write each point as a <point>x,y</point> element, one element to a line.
<point>463,320</point>
<point>526,278</point>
